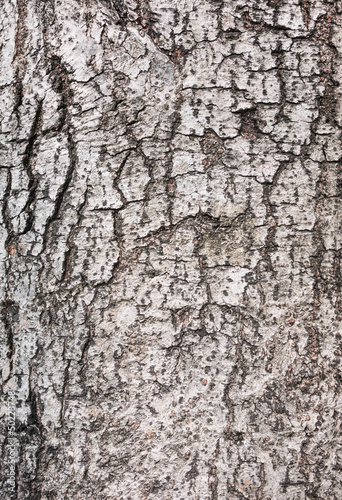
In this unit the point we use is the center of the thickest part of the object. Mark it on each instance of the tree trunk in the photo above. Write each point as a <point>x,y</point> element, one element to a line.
<point>170,249</point>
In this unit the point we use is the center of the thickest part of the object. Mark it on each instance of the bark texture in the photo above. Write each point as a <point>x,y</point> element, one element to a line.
<point>170,190</point>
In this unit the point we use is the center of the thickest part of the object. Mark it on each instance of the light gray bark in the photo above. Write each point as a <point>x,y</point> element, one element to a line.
<point>170,190</point>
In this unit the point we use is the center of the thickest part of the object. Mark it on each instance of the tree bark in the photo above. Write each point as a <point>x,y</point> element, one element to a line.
<point>170,190</point>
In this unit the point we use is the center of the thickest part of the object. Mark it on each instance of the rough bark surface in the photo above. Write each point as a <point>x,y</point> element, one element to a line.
<point>170,189</point>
